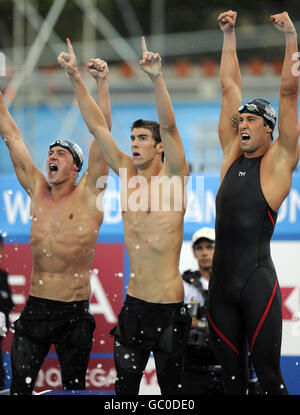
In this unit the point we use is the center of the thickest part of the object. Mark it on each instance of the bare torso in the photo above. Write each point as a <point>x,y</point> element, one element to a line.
<point>63,239</point>
<point>153,240</point>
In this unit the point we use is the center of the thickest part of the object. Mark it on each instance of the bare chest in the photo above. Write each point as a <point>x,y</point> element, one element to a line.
<point>158,195</point>
<point>66,219</point>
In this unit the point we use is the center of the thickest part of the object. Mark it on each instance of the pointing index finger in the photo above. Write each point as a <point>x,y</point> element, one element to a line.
<point>70,47</point>
<point>143,42</point>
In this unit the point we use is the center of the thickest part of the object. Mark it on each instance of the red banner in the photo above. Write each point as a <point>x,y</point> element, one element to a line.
<point>107,281</point>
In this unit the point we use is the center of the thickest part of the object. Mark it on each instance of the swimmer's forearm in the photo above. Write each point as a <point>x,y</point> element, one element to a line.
<point>96,124</point>
<point>8,128</point>
<point>104,100</point>
<point>229,68</point>
<point>90,111</point>
<point>163,103</point>
<point>290,69</point>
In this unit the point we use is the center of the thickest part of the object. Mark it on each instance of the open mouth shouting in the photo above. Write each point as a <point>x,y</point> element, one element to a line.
<point>245,137</point>
<point>53,169</point>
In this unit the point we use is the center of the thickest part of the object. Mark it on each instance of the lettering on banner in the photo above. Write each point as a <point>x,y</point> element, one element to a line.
<point>100,378</point>
<point>287,294</point>
<point>51,378</point>
<point>102,305</point>
<point>290,208</point>
<point>15,206</point>
<point>150,376</point>
<point>296,324</point>
<point>95,378</point>
<point>294,198</point>
<point>18,298</point>
<point>200,206</point>
<point>200,209</point>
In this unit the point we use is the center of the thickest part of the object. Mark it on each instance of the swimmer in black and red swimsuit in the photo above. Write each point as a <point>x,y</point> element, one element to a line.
<point>245,301</point>
<point>244,305</point>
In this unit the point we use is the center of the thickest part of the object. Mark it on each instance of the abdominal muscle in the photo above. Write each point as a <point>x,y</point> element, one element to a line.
<point>53,286</point>
<point>154,250</point>
<point>155,289</point>
<point>61,268</point>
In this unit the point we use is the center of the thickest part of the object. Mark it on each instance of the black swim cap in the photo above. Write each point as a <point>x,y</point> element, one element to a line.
<point>263,108</point>
<point>74,149</point>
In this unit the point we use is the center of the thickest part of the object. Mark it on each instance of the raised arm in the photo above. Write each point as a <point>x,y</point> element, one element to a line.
<point>174,152</point>
<point>231,83</point>
<point>288,99</point>
<point>26,172</point>
<point>97,166</point>
<point>98,69</point>
<point>92,114</point>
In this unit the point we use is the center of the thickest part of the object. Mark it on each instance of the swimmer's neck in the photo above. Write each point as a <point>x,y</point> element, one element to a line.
<point>59,190</point>
<point>151,171</point>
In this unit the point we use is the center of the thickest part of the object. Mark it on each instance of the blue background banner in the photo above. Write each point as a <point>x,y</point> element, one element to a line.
<point>201,190</point>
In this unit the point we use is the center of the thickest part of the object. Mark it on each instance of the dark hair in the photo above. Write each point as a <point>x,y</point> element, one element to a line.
<point>1,241</point>
<point>153,126</point>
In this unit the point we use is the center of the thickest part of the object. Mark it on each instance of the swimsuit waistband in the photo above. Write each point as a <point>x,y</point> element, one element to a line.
<point>48,301</point>
<point>159,306</point>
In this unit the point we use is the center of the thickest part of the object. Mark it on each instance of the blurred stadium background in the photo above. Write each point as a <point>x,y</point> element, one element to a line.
<point>186,34</point>
<point>40,98</point>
